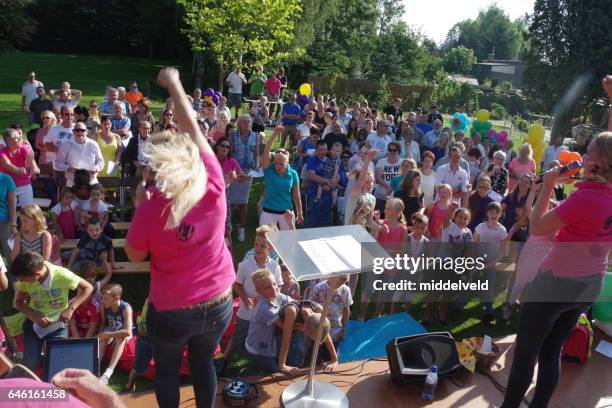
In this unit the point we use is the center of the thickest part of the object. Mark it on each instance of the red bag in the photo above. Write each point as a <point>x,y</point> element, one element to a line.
<point>577,347</point>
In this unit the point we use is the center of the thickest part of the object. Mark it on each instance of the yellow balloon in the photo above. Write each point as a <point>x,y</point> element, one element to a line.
<point>482,115</point>
<point>536,131</point>
<point>305,89</point>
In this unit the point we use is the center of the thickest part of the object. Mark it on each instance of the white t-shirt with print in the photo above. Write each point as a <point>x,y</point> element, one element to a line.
<point>388,172</point>
<point>57,135</point>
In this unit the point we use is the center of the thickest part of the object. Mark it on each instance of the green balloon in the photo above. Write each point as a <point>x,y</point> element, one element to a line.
<point>602,309</point>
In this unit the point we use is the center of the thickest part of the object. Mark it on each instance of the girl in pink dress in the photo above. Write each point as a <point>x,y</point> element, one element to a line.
<point>522,164</point>
<point>391,233</point>
<point>65,215</point>
<point>438,211</point>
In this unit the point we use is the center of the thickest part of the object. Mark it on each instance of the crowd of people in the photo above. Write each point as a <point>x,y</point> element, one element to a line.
<point>404,176</point>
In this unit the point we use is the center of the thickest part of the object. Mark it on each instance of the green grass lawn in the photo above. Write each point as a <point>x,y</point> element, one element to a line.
<point>91,74</point>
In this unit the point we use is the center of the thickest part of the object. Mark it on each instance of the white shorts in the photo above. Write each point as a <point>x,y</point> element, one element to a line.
<point>278,220</point>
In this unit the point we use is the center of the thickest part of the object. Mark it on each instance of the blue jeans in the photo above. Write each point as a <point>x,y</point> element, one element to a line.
<point>199,329</point>
<point>295,355</point>
<point>319,212</point>
<point>33,344</point>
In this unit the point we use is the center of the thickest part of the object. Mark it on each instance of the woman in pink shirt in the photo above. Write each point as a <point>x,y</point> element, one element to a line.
<point>177,224</point>
<point>522,164</point>
<point>17,160</point>
<point>570,276</point>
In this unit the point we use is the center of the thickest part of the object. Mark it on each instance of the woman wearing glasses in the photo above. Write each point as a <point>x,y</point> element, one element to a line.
<point>48,120</point>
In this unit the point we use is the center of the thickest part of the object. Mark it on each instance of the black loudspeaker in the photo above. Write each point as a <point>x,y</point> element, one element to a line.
<point>411,357</point>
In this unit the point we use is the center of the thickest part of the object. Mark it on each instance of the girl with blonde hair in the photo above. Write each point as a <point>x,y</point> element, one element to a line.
<point>180,222</point>
<point>33,235</point>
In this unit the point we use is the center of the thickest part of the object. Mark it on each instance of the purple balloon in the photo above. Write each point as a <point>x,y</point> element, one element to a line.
<point>215,99</point>
<point>209,92</point>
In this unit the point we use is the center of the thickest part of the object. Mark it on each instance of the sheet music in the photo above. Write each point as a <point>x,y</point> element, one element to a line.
<point>256,173</point>
<point>43,331</point>
<point>110,167</point>
<point>333,255</point>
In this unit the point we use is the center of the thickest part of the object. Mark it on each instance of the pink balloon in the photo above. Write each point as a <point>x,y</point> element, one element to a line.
<point>492,132</point>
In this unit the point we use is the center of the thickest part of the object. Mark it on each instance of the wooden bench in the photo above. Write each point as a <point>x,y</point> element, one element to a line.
<point>131,267</point>
<point>121,226</point>
<point>71,243</point>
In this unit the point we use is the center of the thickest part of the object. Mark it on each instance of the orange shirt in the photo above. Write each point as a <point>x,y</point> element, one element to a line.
<point>133,98</point>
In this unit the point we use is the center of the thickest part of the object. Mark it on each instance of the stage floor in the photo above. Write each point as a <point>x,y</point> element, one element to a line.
<point>368,384</point>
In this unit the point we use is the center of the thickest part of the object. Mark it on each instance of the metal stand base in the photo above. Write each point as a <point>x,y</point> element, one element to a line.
<point>324,395</point>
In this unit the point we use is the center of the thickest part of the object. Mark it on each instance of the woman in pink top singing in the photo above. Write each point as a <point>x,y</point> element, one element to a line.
<point>570,276</point>
<point>177,224</point>
<point>17,160</point>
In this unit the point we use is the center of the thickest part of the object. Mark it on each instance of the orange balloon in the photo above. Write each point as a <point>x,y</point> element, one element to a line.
<point>564,157</point>
<point>574,156</point>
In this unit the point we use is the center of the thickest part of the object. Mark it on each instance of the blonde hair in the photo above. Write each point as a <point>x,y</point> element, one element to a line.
<point>413,163</point>
<point>261,275</point>
<point>529,149</point>
<point>311,326</point>
<point>603,143</point>
<point>51,115</point>
<point>446,187</point>
<point>113,289</point>
<point>33,211</point>
<point>398,205</point>
<point>180,174</point>
<point>264,229</point>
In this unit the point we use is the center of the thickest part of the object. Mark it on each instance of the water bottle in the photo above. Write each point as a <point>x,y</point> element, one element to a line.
<point>431,381</point>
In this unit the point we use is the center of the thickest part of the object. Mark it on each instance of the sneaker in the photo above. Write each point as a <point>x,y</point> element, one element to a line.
<point>241,234</point>
<point>105,379</point>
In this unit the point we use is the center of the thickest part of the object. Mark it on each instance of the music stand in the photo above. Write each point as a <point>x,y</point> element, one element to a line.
<point>310,393</point>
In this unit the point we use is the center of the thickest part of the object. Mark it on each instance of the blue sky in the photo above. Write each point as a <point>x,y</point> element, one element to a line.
<point>435,17</point>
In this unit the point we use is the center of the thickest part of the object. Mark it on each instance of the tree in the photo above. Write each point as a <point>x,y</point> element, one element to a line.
<point>16,26</point>
<point>567,58</point>
<point>343,45</point>
<point>249,32</point>
<point>397,55</point>
<point>491,30</point>
<point>458,60</point>
<point>390,13</point>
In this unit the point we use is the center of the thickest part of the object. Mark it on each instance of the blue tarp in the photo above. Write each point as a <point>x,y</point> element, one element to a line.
<point>368,339</point>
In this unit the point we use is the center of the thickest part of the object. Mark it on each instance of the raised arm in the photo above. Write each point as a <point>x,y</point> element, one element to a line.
<point>169,78</point>
<point>265,160</point>
<point>371,155</point>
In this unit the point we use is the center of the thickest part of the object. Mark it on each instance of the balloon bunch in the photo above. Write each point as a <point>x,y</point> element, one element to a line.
<point>481,124</point>
<point>535,137</point>
<point>213,96</point>
<point>460,122</point>
<point>566,157</point>
<point>496,137</point>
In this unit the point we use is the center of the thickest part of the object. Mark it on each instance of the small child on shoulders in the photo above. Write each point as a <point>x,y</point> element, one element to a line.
<point>332,167</point>
<point>115,324</point>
